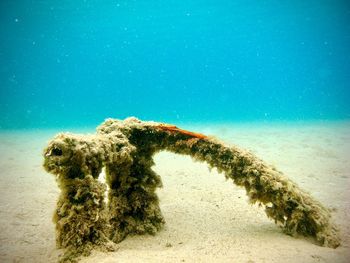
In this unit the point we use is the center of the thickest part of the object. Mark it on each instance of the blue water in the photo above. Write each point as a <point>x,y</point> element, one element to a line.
<point>75,63</point>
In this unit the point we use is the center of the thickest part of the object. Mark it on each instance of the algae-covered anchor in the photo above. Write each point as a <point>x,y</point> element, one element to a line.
<point>125,148</point>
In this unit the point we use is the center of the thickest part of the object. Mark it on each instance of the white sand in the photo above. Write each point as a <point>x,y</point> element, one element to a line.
<point>208,218</point>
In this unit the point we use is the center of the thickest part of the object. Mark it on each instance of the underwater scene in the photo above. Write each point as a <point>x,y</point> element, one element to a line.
<point>175,131</point>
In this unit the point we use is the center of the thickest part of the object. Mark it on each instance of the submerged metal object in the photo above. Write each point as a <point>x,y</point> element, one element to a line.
<point>125,148</point>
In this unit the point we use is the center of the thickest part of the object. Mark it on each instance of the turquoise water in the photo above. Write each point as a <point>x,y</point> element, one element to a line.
<point>75,63</point>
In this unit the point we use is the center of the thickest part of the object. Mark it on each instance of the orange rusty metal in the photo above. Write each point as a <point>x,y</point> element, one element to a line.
<point>173,128</point>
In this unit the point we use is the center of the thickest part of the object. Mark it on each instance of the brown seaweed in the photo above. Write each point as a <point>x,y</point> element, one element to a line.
<point>126,149</point>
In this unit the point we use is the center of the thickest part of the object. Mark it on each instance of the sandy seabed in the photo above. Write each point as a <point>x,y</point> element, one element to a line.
<point>208,219</point>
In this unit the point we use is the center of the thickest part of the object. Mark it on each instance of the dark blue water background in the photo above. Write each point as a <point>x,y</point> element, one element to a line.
<point>75,63</point>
